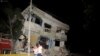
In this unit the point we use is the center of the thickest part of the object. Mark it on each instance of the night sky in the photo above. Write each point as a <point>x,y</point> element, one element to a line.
<point>83,29</point>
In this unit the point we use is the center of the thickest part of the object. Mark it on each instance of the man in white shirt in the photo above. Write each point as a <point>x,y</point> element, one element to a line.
<point>39,50</point>
<point>35,50</point>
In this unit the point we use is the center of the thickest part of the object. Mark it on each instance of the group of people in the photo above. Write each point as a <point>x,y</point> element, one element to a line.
<point>37,49</point>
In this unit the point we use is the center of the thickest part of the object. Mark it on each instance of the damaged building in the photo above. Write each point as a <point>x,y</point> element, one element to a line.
<point>45,29</point>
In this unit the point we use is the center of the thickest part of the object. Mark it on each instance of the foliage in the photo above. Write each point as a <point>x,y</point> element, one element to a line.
<point>12,21</point>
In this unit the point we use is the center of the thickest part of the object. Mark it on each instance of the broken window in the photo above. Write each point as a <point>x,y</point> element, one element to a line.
<point>28,17</point>
<point>47,27</point>
<point>32,17</point>
<point>38,20</point>
<point>35,18</point>
<point>57,43</point>
<point>43,42</point>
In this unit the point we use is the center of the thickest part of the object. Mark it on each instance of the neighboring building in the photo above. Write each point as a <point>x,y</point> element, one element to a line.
<point>46,29</point>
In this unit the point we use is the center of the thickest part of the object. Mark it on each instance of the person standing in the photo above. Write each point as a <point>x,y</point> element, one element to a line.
<point>35,50</point>
<point>39,50</point>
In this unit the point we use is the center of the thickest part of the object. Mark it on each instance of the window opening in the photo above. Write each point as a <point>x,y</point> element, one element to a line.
<point>47,27</point>
<point>57,43</point>
<point>43,42</point>
<point>38,20</point>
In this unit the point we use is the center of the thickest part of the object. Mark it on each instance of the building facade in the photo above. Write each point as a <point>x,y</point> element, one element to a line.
<point>45,29</point>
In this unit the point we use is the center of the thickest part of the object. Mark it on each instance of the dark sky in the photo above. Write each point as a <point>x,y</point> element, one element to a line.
<point>81,36</point>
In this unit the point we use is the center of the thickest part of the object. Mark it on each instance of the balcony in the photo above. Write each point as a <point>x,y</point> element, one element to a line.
<point>61,36</point>
<point>48,32</point>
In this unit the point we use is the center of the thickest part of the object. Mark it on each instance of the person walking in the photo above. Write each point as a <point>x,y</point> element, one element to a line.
<point>35,50</point>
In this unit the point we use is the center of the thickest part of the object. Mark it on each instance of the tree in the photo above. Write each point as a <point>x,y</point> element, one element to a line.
<point>13,22</point>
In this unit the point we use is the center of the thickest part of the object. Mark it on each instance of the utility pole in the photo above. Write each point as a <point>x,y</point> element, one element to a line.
<point>29,28</point>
